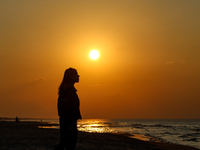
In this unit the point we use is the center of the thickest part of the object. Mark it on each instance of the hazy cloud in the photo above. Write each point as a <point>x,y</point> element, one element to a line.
<point>40,79</point>
<point>36,80</point>
<point>175,62</point>
<point>95,85</point>
<point>170,62</point>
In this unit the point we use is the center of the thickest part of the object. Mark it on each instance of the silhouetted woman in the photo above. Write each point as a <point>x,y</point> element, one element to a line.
<point>68,110</point>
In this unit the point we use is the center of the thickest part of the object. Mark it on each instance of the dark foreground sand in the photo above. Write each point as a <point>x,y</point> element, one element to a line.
<point>27,136</point>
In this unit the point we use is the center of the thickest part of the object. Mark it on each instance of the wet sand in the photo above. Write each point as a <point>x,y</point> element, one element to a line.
<point>27,136</point>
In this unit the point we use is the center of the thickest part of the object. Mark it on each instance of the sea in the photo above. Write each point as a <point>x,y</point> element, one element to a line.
<point>178,131</point>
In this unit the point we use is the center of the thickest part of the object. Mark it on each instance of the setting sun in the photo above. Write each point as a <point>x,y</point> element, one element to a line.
<point>94,54</point>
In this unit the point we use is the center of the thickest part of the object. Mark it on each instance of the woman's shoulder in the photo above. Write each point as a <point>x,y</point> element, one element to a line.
<point>68,91</point>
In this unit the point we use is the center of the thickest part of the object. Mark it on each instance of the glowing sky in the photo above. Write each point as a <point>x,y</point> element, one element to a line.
<point>148,68</point>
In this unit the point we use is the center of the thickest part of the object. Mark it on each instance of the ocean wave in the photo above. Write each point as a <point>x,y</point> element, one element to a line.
<point>167,133</point>
<point>197,129</point>
<point>155,125</point>
<point>190,135</point>
<point>191,139</point>
<point>154,138</point>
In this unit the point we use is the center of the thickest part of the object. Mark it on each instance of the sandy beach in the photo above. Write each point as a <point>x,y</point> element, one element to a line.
<point>27,136</point>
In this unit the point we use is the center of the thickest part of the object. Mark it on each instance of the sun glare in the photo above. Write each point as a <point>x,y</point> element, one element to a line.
<point>94,54</point>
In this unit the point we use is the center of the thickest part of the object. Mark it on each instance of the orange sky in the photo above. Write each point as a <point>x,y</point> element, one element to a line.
<point>148,66</point>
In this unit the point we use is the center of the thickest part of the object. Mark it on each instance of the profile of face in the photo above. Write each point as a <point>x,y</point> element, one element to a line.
<point>74,77</point>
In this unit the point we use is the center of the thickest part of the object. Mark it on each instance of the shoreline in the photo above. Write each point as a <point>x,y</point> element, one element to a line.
<point>27,135</point>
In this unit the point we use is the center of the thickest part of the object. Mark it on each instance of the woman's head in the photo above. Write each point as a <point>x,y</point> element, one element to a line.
<point>70,77</point>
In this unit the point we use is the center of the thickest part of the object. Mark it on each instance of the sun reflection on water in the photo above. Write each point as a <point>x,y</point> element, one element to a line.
<point>94,125</point>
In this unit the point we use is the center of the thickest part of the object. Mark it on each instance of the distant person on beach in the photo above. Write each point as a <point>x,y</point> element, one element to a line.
<point>16,119</point>
<point>68,110</point>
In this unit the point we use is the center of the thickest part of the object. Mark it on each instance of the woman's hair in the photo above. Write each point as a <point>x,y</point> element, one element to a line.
<point>66,79</point>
